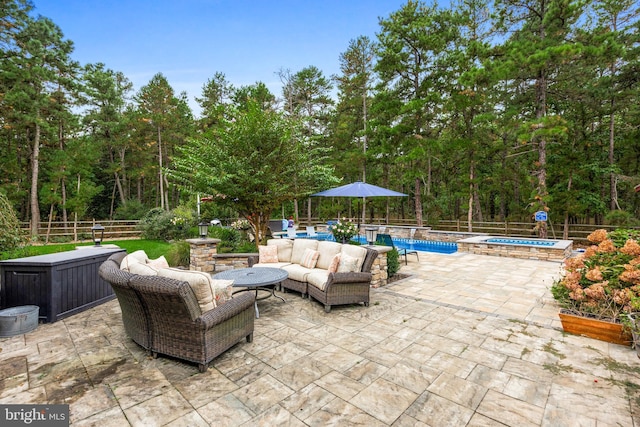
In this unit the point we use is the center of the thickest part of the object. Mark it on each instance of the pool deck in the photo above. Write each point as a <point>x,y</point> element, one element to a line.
<point>466,340</point>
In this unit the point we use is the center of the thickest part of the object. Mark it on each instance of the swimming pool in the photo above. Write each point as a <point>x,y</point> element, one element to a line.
<point>421,245</point>
<point>409,244</point>
<point>508,241</point>
<point>514,247</point>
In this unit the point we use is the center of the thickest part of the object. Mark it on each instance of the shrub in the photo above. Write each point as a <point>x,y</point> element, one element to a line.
<point>393,262</point>
<point>246,247</point>
<point>605,280</point>
<point>229,238</point>
<point>10,237</point>
<point>621,219</point>
<point>179,254</point>
<point>159,224</point>
<point>131,209</point>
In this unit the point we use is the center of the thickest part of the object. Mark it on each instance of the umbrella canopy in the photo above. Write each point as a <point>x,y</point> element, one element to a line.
<point>359,189</point>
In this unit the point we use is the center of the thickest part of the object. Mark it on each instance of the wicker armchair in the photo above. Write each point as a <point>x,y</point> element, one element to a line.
<point>178,328</point>
<point>134,316</point>
<point>346,288</point>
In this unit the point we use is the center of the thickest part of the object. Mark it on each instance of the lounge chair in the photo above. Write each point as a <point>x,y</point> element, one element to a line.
<point>386,240</point>
<point>311,231</point>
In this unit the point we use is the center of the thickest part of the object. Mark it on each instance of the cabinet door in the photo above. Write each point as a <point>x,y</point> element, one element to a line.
<point>25,288</point>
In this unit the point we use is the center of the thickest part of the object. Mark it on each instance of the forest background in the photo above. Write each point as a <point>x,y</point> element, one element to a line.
<point>478,111</point>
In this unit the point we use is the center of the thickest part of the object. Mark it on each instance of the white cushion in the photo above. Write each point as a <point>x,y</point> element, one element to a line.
<point>133,258</point>
<point>318,278</point>
<point>285,247</point>
<point>272,264</point>
<point>158,263</point>
<point>297,272</point>
<point>143,269</point>
<point>299,245</point>
<point>199,281</point>
<point>355,251</point>
<point>327,251</point>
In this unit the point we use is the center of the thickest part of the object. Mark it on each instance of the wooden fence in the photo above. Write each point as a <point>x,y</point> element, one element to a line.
<point>119,229</point>
<point>58,231</point>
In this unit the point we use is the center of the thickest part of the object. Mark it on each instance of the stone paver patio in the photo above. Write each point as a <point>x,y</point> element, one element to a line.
<point>467,340</point>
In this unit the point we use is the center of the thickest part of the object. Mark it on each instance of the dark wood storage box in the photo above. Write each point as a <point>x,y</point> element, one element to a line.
<point>61,284</point>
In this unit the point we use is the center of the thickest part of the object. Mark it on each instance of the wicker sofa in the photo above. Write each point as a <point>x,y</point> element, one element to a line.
<point>164,316</point>
<point>340,275</point>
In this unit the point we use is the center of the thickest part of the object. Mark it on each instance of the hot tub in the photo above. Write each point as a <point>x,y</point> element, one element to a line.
<point>542,249</point>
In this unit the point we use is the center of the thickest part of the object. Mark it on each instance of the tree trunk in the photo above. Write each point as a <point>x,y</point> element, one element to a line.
<point>418,203</point>
<point>35,165</point>
<point>46,239</point>
<point>160,174</point>
<point>612,177</point>
<point>476,201</point>
<point>470,211</point>
<point>63,188</point>
<point>541,102</point>
<point>565,232</point>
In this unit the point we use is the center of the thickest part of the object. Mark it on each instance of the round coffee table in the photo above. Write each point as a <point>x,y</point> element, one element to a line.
<point>255,278</point>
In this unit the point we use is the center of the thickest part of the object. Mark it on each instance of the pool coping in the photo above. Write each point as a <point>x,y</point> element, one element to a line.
<point>561,249</point>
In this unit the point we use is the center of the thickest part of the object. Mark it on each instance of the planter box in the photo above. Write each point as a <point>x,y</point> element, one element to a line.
<point>594,328</point>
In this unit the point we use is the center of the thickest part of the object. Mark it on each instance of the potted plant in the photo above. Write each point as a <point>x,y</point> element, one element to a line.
<point>599,285</point>
<point>343,230</point>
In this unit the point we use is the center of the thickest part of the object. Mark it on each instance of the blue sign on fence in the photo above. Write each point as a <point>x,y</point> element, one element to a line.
<point>541,216</point>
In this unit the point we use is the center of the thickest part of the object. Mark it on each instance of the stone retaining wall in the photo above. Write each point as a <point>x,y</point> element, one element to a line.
<point>420,233</point>
<point>559,253</point>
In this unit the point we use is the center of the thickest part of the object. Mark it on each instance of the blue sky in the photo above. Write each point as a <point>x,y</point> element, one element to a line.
<point>189,40</point>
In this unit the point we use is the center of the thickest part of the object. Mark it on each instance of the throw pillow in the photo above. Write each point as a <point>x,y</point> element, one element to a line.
<point>335,262</point>
<point>347,264</point>
<point>158,263</point>
<point>133,258</point>
<point>309,258</point>
<point>142,269</point>
<point>222,290</point>
<point>268,254</point>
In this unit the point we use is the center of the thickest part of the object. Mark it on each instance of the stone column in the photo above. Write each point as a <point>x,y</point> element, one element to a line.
<point>202,254</point>
<point>379,273</point>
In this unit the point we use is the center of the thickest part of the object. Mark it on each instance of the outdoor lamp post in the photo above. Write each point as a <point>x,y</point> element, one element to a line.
<point>372,235</point>
<point>203,229</point>
<point>97,233</point>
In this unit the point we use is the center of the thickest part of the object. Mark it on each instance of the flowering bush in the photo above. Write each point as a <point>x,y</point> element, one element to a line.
<point>159,224</point>
<point>604,281</point>
<point>343,230</point>
<point>240,224</point>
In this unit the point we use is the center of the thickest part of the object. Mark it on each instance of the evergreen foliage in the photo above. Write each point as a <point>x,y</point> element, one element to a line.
<point>10,237</point>
<point>393,262</point>
<point>479,111</point>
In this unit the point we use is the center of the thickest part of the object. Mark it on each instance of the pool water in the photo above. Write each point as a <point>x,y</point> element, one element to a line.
<point>409,244</point>
<point>507,241</point>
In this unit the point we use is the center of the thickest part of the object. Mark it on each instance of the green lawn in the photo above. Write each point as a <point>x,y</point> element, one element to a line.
<point>153,248</point>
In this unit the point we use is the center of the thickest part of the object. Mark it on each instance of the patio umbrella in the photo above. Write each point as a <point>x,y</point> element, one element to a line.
<point>361,190</point>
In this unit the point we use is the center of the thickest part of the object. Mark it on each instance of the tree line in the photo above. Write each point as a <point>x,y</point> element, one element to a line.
<point>478,111</point>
